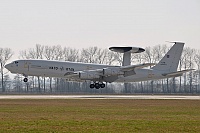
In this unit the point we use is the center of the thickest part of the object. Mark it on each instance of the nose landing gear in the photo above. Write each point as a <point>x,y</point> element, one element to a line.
<point>25,80</point>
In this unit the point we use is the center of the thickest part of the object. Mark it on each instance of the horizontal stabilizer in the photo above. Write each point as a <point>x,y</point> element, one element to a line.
<point>178,73</point>
<point>132,67</point>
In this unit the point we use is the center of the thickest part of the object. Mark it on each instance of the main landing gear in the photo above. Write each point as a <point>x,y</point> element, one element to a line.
<point>97,85</point>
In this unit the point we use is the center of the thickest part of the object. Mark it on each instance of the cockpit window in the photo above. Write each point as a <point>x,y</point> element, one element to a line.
<point>16,62</point>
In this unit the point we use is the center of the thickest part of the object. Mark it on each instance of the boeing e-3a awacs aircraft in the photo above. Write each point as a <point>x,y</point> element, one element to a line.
<point>98,73</point>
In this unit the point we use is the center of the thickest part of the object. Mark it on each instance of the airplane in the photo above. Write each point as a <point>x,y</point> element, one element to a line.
<point>98,74</point>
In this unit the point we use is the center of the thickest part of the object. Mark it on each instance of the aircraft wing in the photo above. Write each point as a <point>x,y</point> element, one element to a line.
<point>132,67</point>
<point>106,72</point>
<point>178,73</point>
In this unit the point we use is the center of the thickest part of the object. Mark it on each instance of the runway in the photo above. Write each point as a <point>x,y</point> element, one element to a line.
<point>99,97</point>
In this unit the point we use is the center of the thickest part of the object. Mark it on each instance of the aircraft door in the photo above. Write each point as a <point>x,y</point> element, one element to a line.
<point>150,74</point>
<point>27,65</point>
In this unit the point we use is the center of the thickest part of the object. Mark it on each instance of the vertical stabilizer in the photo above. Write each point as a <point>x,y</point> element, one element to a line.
<point>170,61</point>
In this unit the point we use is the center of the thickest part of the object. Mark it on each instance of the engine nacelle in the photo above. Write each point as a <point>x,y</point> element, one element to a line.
<point>88,75</point>
<point>112,71</point>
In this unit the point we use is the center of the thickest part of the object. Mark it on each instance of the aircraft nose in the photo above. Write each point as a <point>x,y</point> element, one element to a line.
<point>8,66</point>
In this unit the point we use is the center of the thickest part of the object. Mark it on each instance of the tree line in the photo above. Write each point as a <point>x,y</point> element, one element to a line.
<point>188,83</point>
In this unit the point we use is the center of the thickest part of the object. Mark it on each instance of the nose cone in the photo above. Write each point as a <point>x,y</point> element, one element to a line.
<point>8,66</point>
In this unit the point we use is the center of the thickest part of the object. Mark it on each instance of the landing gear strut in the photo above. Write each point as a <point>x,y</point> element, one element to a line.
<point>97,85</point>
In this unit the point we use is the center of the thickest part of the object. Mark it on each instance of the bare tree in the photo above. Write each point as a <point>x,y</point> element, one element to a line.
<point>101,56</point>
<point>5,55</point>
<point>48,52</point>
<point>88,54</point>
<point>110,57</point>
<point>197,61</point>
<point>70,54</point>
<point>33,53</point>
<point>6,82</point>
<point>118,58</point>
<point>58,52</point>
<point>186,60</point>
<point>191,62</point>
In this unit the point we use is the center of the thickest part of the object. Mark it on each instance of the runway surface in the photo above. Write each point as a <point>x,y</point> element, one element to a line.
<point>98,97</point>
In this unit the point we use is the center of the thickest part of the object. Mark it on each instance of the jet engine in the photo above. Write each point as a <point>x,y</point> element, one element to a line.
<point>88,75</point>
<point>112,71</point>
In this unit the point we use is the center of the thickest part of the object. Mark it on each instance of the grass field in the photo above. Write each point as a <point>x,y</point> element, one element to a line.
<point>99,115</point>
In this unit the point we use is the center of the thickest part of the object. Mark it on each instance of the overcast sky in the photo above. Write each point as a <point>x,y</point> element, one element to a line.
<point>102,23</point>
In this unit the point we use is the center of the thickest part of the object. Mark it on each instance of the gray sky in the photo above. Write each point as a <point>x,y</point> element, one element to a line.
<point>102,23</point>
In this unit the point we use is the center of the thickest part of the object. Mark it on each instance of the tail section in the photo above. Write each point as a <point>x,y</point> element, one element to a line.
<point>170,61</point>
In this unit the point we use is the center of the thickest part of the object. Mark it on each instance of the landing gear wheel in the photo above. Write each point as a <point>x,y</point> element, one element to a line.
<point>25,79</point>
<point>92,86</point>
<point>102,85</point>
<point>97,85</point>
